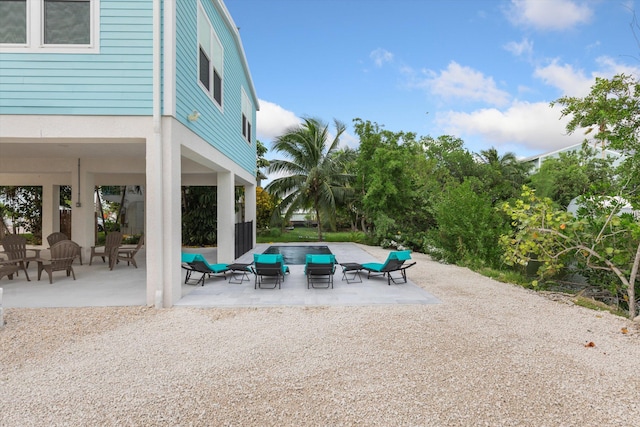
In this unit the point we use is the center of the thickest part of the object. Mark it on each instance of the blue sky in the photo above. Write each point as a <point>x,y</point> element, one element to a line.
<point>482,70</point>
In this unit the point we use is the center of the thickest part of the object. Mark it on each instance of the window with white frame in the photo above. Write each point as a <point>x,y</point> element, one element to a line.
<point>50,24</point>
<point>13,22</point>
<point>67,22</point>
<point>247,114</point>
<point>210,58</point>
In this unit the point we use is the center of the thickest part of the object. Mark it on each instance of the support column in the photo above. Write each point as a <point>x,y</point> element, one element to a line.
<point>226,218</point>
<point>82,209</point>
<point>250,210</point>
<point>50,210</point>
<point>154,236</point>
<point>172,220</point>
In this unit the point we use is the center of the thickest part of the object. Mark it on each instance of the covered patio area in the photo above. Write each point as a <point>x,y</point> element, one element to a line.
<point>96,285</point>
<point>96,151</point>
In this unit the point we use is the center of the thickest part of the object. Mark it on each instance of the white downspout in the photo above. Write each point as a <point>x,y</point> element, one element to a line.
<point>157,137</point>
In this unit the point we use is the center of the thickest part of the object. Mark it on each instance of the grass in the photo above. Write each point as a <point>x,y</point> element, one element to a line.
<point>507,276</point>
<point>593,304</point>
<point>308,235</point>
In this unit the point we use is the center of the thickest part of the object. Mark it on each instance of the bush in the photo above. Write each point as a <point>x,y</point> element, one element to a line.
<point>275,232</point>
<point>469,227</point>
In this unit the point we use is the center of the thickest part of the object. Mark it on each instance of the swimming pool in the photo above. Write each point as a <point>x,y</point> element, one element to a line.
<point>296,255</point>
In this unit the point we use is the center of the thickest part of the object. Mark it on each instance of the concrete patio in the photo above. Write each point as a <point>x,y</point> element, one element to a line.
<point>96,285</point>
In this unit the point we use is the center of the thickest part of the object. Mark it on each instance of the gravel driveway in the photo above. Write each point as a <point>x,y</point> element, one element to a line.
<point>490,354</point>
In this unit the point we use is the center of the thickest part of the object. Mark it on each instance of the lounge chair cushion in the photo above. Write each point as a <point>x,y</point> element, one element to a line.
<point>400,255</point>
<point>320,259</point>
<point>192,257</point>
<point>216,268</point>
<point>395,255</point>
<point>271,259</point>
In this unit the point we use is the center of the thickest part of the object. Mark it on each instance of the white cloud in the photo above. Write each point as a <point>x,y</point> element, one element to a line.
<point>349,141</point>
<point>572,82</point>
<point>534,126</point>
<point>381,56</point>
<point>549,14</point>
<point>524,48</point>
<point>569,81</point>
<point>609,68</point>
<point>273,120</point>
<point>458,82</point>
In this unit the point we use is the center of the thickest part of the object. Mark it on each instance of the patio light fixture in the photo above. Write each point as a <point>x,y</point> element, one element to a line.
<point>194,116</point>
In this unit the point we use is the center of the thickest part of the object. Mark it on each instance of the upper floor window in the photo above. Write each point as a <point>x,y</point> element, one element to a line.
<point>247,114</point>
<point>67,22</point>
<point>59,25</point>
<point>210,58</point>
<point>13,22</point>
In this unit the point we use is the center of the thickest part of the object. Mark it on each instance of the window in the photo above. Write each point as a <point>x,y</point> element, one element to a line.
<point>56,25</point>
<point>13,22</point>
<point>247,114</point>
<point>205,66</point>
<point>210,58</point>
<point>67,22</point>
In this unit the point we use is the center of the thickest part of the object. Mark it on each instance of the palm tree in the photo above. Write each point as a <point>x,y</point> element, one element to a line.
<point>509,172</point>
<point>313,173</point>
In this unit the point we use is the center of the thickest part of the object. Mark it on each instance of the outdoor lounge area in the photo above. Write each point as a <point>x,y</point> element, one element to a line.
<point>96,285</point>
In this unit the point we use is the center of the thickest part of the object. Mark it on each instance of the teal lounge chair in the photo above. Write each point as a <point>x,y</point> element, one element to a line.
<point>395,262</point>
<point>268,267</point>
<point>320,269</point>
<point>196,263</point>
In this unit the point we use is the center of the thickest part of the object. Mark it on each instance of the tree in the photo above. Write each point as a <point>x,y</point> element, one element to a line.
<point>468,224</point>
<point>261,161</point>
<point>503,175</point>
<point>573,174</point>
<point>450,159</point>
<point>349,209</point>
<point>264,207</point>
<point>314,177</point>
<point>611,112</point>
<point>391,174</point>
<point>599,238</point>
<point>601,241</point>
<point>24,206</point>
<point>199,216</point>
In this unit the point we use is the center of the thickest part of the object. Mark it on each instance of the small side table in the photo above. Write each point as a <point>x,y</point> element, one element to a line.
<point>239,273</point>
<point>352,268</point>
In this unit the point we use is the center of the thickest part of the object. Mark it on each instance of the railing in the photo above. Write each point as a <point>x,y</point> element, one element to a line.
<point>244,238</point>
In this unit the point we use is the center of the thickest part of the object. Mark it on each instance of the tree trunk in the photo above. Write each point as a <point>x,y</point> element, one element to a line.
<point>319,225</point>
<point>124,193</point>
<point>631,291</point>
<point>4,229</point>
<point>104,226</point>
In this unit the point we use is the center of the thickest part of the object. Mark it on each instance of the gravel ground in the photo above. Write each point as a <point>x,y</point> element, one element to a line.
<point>491,354</point>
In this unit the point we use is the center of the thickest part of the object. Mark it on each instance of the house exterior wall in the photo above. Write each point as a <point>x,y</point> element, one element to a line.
<point>221,127</point>
<point>536,161</point>
<point>114,78</point>
<point>89,116</point>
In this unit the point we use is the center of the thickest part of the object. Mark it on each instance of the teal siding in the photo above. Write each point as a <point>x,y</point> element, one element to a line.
<point>221,127</point>
<point>116,81</point>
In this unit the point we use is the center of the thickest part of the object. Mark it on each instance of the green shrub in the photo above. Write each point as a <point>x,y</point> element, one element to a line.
<point>469,227</point>
<point>275,232</point>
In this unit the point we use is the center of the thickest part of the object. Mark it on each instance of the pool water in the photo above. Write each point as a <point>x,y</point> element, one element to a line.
<point>296,255</point>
